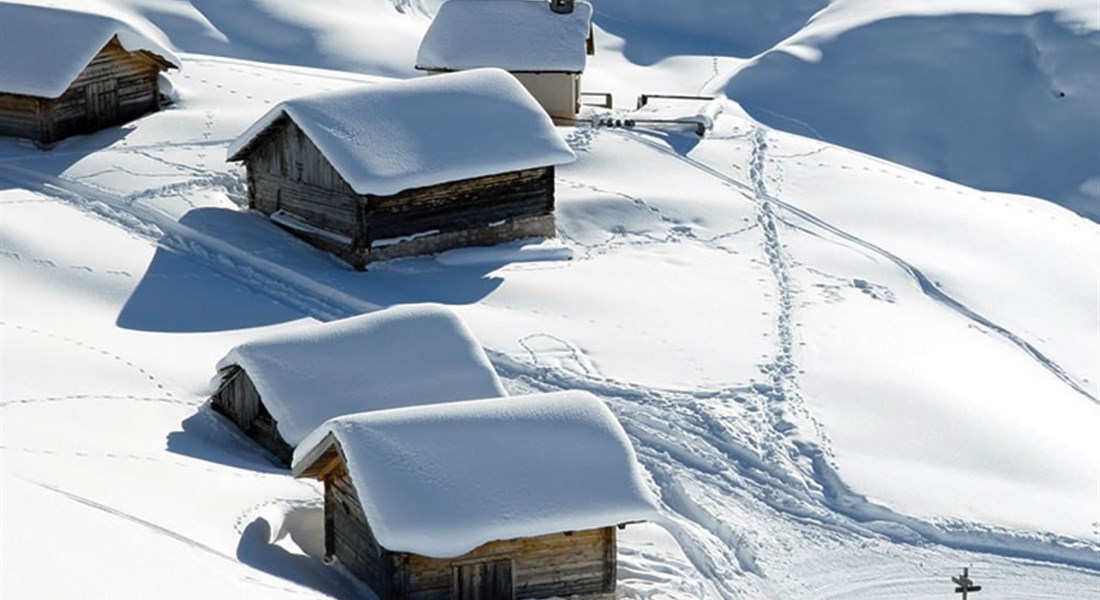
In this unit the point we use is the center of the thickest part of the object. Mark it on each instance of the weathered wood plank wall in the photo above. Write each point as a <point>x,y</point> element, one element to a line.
<point>238,399</point>
<point>353,542</point>
<point>115,87</point>
<point>580,563</point>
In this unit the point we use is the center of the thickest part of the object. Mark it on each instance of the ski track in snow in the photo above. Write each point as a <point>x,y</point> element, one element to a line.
<point>765,461</point>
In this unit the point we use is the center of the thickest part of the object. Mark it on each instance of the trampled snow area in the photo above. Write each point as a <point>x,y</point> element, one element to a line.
<point>440,481</point>
<point>397,357</point>
<point>844,378</point>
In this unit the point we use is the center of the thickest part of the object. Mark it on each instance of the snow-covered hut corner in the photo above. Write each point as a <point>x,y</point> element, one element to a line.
<point>454,155</point>
<point>544,44</point>
<point>66,72</point>
<point>279,387</point>
<point>524,491</point>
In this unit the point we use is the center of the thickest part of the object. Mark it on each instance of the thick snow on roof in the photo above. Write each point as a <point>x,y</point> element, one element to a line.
<point>42,50</point>
<point>517,35</point>
<point>395,136</point>
<point>442,480</point>
<point>403,356</point>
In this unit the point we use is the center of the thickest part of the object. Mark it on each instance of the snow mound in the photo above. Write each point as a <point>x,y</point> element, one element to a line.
<point>517,35</point>
<point>43,49</point>
<point>443,480</point>
<point>403,356</point>
<point>390,137</point>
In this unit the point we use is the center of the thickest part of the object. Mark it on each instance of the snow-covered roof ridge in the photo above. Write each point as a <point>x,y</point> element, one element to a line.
<point>44,49</point>
<point>517,35</point>
<point>442,480</point>
<point>394,136</point>
<point>401,356</point>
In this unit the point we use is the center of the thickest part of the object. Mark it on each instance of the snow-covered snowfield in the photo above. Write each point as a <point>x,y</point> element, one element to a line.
<point>845,378</point>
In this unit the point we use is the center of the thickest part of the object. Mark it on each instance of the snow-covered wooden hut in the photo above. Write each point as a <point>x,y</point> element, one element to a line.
<point>408,167</point>
<point>487,499</point>
<point>65,72</point>
<point>544,44</point>
<point>280,387</point>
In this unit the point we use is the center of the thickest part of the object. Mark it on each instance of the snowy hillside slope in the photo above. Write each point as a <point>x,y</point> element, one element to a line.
<point>844,378</point>
<point>996,99</point>
<point>994,95</point>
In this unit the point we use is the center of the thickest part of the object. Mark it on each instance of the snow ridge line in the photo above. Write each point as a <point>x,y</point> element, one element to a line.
<point>286,286</point>
<point>923,282</point>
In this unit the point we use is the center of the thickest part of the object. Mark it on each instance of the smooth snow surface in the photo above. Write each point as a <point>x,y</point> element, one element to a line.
<point>42,50</point>
<point>390,137</point>
<point>402,356</point>
<point>998,97</point>
<point>443,480</point>
<point>515,35</point>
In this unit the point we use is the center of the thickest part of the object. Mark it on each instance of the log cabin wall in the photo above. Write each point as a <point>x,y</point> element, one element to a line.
<point>582,563</point>
<point>19,116</point>
<point>117,86</point>
<point>238,399</point>
<point>349,539</point>
<point>287,172</point>
<point>472,212</point>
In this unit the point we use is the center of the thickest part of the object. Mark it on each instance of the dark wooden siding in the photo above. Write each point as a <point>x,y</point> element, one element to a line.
<point>238,399</point>
<point>462,204</point>
<point>287,172</point>
<point>117,86</point>
<point>580,563</point>
<point>349,537</point>
<point>19,116</point>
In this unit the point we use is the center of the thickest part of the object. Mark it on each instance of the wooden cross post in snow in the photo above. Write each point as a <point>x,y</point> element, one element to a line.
<point>964,585</point>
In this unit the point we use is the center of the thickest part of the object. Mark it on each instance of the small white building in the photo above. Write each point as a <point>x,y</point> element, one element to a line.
<point>544,44</point>
<point>280,387</point>
<point>487,499</point>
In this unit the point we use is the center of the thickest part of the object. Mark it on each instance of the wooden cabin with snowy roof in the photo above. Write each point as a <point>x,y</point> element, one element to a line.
<point>544,44</point>
<point>481,500</point>
<point>66,72</point>
<point>280,387</point>
<point>408,167</point>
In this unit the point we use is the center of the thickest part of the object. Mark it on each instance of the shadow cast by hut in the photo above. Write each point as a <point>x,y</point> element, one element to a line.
<point>265,548</point>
